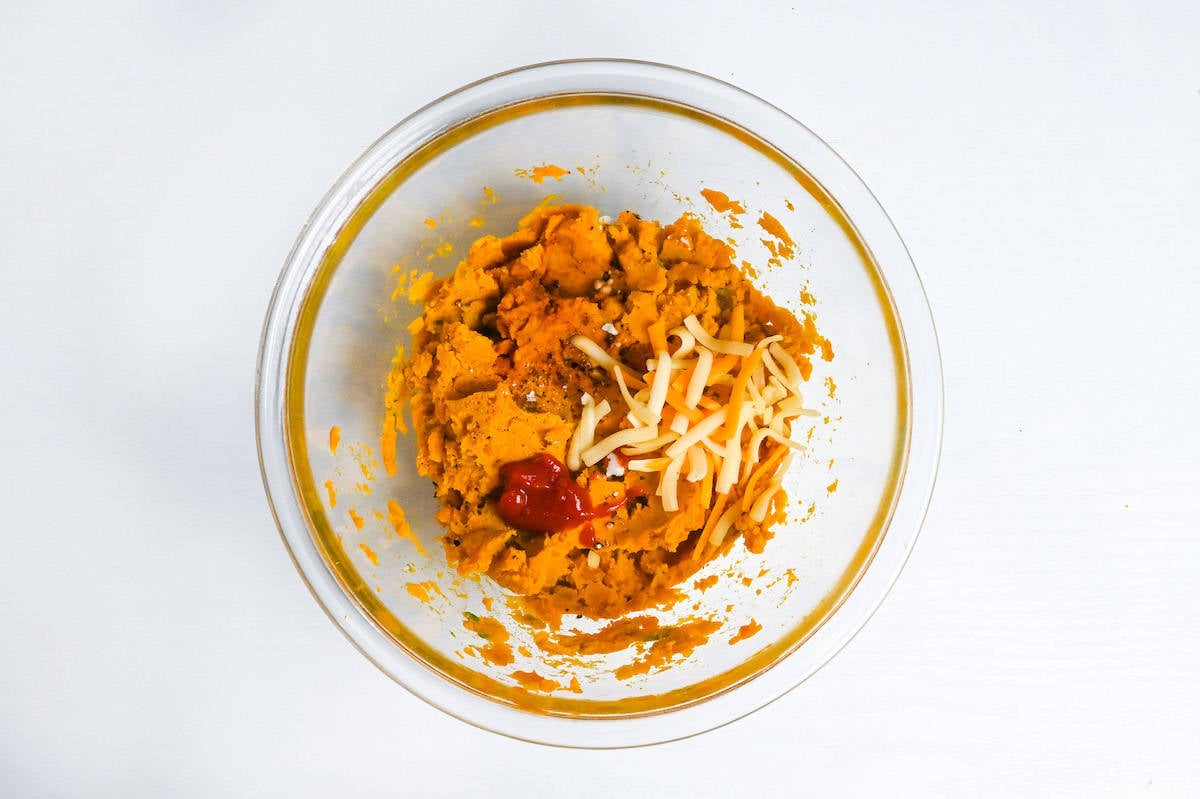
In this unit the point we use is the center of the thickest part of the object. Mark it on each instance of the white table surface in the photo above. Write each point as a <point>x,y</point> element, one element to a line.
<point>1043,165</point>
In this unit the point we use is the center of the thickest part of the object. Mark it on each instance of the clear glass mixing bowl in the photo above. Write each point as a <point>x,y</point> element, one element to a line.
<point>636,136</point>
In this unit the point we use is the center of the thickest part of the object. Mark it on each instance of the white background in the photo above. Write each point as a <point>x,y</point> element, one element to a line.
<point>1043,164</point>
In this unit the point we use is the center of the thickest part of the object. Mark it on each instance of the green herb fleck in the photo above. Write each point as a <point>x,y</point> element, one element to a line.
<point>725,299</point>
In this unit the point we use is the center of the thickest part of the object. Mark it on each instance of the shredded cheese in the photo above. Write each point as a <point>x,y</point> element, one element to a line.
<point>768,341</point>
<point>633,435</point>
<point>697,432</point>
<point>585,434</point>
<point>700,372</point>
<point>636,409</point>
<point>701,414</point>
<point>661,383</point>
<point>648,464</point>
<point>594,351</point>
<point>772,367</point>
<point>758,511</point>
<point>716,345</point>
<point>680,424</point>
<point>789,366</point>
<point>687,342</point>
<point>668,485</point>
<point>650,446</point>
<point>722,526</point>
<point>698,464</point>
<point>729,465</point>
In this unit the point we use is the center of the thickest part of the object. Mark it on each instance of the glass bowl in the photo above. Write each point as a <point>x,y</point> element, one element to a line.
<point>617,135</point>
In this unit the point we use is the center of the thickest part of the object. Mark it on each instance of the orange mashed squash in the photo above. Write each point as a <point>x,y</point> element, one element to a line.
<point>493,378</point>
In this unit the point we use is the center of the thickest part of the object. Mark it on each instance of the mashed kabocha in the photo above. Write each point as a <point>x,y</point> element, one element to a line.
<point>603,407</point>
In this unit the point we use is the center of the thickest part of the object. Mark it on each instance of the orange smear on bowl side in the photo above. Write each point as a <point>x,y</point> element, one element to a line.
<point>424,591</point>
<point>497,650</point>
<point>400,524</point>
<point>418,590</point>
<point>540,173</point>
<point>774,227</point>
<point>614,637</point>
<point>745,631</point>
<point>532,681</point>
<point>721,203</point>
<point>678,641</point>
<point>420,287</point>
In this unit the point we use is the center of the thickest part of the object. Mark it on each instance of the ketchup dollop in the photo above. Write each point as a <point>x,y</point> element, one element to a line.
<point>539,496</point>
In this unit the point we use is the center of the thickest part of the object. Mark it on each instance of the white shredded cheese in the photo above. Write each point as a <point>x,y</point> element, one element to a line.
<point>660,385</point>
<point>768,341</point>
<point>633,435</point>
<point>680,424</point>
<point>729,466</point>
<point>695,388</point>
<point>701,429</point>
<point>636,408</point>
<point>651,445</point>
<point>773,368</point>
<point>697,464</point>
<point>593,351</point>
<point>739,348</point>
<point>793,371</point>
<point>687,342</point>
<point>586,426</point>
<point>668,485</point>
<point>722,526</point>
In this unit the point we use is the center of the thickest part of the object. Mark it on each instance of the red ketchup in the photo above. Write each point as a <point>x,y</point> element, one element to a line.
<point>539,496</point>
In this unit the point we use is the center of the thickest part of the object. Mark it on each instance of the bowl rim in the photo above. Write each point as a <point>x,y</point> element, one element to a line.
<point>711,96</point>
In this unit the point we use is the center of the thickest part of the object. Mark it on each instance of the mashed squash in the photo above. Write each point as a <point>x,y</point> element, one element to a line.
<point>495,378</point>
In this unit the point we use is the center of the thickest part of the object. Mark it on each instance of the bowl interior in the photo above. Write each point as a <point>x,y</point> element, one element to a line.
<point>619,152</point>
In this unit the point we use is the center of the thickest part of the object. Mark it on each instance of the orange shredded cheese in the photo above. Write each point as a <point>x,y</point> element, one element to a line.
<point>737,324</point>
<point>706,533</point>
<point>657,334</point>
